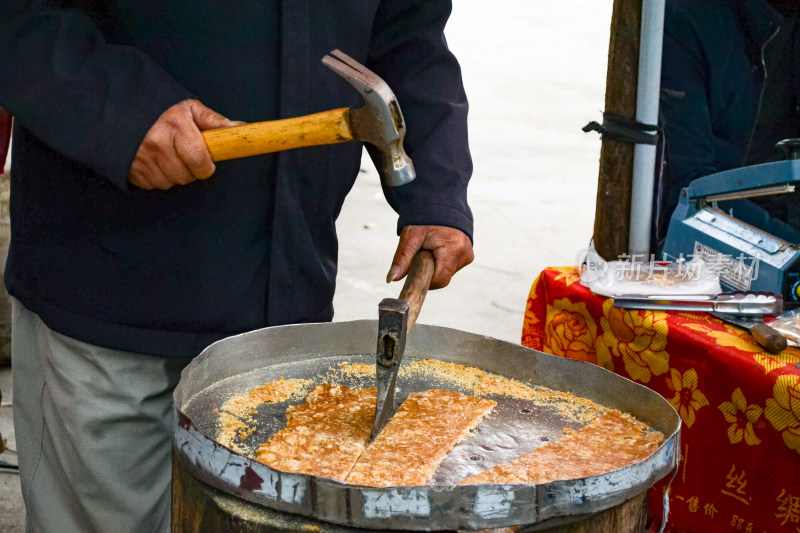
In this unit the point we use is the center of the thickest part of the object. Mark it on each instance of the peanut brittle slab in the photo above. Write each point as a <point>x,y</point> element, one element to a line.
<point>612,441</point>
<point>418,437</point>
<point>324,436</point>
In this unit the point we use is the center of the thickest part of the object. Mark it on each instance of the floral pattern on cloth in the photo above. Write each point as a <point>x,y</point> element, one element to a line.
<point>743,419</point>
<point>740,406</point>
<point>638,337</point>
<point>570,331</point>
<point>783,411</point>
<point>687,399</point>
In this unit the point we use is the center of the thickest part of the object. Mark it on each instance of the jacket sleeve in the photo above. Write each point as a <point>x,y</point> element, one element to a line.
<point>88,99</point>
<point>408,50</point>
<point>684,101</point>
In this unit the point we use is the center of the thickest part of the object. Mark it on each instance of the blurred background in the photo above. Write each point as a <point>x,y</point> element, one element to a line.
<point>535,74</point>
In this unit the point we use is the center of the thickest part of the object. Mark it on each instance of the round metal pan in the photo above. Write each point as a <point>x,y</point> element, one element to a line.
<point>314,351</point>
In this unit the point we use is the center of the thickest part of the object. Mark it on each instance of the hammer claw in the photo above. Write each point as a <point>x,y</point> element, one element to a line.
<point>356,74</point>
<point>379,121</point>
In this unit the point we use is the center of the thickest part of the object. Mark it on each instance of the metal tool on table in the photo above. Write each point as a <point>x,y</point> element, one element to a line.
<point>743,309</point>
<point>749,248</point>
<point>768,338</point>
<point>378,122</point>
<point>751,304</point>
<point>396,317</point>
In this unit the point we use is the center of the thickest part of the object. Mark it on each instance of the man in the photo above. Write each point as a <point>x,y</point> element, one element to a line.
<point>729,92</point>
<point>131,251</point>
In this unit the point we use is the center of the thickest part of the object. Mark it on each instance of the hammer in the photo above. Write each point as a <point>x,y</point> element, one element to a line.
<point>378,122</point>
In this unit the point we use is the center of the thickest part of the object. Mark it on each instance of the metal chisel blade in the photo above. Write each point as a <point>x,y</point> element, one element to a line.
<point>392,326</point>
<point>384,406</point>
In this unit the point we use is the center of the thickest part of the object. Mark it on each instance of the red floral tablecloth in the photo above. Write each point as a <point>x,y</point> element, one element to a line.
<point>740,406</point>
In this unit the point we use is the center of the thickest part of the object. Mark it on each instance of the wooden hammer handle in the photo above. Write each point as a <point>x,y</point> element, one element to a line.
<point>418,280</point>
<point>769,338</point>
<point>328,127</point>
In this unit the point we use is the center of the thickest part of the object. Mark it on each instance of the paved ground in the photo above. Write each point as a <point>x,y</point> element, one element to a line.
<point>535,74</point>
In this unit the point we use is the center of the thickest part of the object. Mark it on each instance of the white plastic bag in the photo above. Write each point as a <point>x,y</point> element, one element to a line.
<point>650,279</point>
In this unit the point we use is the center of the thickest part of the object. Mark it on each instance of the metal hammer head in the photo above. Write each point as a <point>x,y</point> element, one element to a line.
<point>379,121</point>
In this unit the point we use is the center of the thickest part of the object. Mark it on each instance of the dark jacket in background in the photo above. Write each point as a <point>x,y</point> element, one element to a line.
<point>168,272</point>
<point>711,84</point>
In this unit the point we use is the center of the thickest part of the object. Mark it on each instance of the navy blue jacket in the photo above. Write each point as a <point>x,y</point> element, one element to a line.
<point>711,84</point>
<point>168,272</point>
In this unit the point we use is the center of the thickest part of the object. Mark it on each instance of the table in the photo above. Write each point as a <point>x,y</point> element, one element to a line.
<point>740,406</point>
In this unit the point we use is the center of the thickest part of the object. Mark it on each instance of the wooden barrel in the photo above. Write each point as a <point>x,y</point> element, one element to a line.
<point>199,508</point>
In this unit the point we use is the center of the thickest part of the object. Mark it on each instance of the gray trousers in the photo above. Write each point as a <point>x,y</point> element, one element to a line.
<point>93,429</point>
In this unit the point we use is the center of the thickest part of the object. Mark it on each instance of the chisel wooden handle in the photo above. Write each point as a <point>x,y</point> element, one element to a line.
<point>769,338</point>
<point>418,280</point>
<point>328,127</point>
